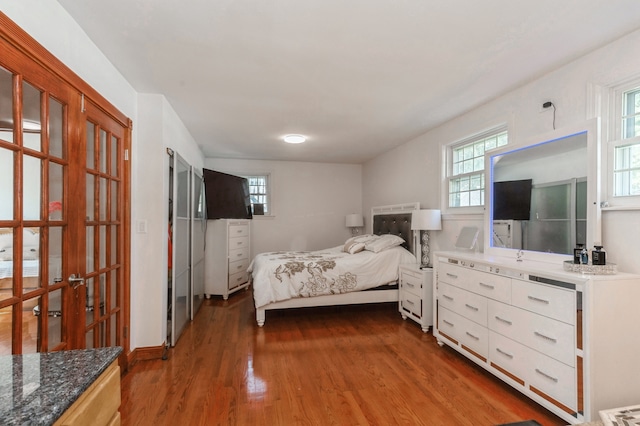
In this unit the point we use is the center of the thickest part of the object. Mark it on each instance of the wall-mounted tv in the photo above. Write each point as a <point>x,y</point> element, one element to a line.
<point>227,196</point>
<point>512,200</point>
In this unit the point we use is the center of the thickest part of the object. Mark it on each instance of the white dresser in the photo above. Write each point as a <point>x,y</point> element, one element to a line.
<point>567,340</point>
<point>415,298</point>
<point>227,258</point>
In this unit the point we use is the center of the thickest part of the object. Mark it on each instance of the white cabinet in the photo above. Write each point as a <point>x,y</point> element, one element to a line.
<point>564,339</point>
<point>415,299</point>
<point>227,256</point>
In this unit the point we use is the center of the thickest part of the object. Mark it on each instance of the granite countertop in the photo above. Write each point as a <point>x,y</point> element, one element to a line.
<point>36,389</point>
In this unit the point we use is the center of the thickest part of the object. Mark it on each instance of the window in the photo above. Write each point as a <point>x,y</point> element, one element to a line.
<point>259,192</point>
<point>626,150</point>
<point>623,154</point>
<point>466,168</point>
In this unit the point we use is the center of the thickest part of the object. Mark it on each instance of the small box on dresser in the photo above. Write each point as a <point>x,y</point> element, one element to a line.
<point>415,299</point>
<point>227,256</point>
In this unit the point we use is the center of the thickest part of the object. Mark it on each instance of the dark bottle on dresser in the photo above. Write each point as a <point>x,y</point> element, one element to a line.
<point>584,256</point>
<point>598,256</point>
<point>577,254</point>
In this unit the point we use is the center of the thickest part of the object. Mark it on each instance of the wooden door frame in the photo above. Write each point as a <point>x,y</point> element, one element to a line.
<point>31,49</point>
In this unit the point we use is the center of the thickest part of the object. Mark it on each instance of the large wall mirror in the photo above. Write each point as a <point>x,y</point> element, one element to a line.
<point>542,195</point>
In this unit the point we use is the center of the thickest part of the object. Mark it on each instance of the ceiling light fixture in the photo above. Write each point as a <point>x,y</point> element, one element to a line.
<point>294,138</point>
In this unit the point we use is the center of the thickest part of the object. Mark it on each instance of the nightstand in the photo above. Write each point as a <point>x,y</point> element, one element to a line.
<point>415,299</point>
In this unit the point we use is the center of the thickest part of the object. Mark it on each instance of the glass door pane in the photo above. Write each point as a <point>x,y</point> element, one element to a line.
<point>181,247</point>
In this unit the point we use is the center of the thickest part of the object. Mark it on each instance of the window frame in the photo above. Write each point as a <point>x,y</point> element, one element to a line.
<point>615,140</point>
<point>448,167</point>
<point>268,212</point>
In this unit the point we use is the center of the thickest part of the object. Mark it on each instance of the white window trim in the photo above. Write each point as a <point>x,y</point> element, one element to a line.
<point>447,164</point>
<point>609,99</point>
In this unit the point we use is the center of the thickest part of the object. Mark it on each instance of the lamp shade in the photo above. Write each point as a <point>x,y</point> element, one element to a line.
<point>354,221</point>
<point>426,220</point>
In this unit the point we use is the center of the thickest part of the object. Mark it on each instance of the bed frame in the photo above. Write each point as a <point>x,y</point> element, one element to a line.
<point>392,219</point>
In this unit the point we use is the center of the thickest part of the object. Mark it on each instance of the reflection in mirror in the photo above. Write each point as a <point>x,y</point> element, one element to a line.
<point>539,196</point>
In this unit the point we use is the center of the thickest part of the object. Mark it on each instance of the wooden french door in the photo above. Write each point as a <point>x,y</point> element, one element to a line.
<point>64,211</point>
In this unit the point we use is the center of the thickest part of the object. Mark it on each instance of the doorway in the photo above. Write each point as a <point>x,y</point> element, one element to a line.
<point>64,215</point>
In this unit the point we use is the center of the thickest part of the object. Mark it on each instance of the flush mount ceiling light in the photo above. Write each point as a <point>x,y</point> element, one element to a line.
<point>294,138</point>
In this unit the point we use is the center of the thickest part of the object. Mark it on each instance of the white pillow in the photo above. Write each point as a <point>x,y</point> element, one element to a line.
<point>363,239</point>
<point>353,247</point>
<point>384,242</point>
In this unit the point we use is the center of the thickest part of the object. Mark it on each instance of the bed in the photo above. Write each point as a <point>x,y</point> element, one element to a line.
<point>331,277</point>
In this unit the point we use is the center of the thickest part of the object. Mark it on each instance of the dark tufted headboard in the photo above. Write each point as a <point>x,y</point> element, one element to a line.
<point>395,220</point>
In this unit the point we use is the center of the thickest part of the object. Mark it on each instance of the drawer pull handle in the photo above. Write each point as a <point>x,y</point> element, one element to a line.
<point>536,299</point>
<point>409,302</point>
<point>542,373</point>
<point>507,354</point>
<point>448,297</point>
<point>450,324</point>
<point>485,285</point>
<point>504,320</point>
<point>551,339</point>
<point>473,308</point>
<point>452,275</point>
<point>410,285</point>
<point>472,336</point>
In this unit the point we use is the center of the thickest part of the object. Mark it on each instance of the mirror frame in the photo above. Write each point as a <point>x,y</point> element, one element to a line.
<point>594,225</point>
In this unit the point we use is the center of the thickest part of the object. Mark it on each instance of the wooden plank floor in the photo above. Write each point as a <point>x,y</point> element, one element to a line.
<point>316,366</point>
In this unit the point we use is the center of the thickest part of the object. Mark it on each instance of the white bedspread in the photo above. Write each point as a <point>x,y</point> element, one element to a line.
<point>30,268</point>
<point>285,275</point>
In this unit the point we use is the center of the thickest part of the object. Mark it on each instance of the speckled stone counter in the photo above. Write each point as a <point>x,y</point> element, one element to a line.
<point>35,389</point>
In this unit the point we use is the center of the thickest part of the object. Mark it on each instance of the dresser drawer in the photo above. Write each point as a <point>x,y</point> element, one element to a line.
<point>490,285</point>
<point>411,282</point>
<point>467,304</point>
<point>543,334</point>
<point>553,302</point>
<point>508,354</point>
<point>238,242</point>
<point>238,254</point>
<point>238,278</point>
<point>553,378</point>
<point>411,303</point>
<point>553,338</point>
<point>452,274</point>
<point>238,266</point>
<point>238,231</point>
<point>466,332</point>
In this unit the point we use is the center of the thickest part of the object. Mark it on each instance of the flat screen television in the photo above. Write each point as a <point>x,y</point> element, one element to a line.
<point>512,200</point>
<point>227,196</point>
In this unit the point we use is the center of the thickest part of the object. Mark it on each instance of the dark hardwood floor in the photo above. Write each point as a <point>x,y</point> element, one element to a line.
<point>318,366</point>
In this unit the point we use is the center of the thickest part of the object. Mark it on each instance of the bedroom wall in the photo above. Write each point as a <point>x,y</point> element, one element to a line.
<point>309,201</point>
<point>51,26</point>
<point>159,128</point>
<point>413,172</point>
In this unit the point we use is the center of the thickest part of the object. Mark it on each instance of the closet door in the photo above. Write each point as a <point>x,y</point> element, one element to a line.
<point>198,227</point>
<point>181,282</point>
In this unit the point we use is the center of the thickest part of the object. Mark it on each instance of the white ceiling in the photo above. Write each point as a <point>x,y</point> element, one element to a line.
<point>358,77</point>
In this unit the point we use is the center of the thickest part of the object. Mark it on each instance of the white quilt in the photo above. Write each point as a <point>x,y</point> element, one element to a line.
<point>285,275</point>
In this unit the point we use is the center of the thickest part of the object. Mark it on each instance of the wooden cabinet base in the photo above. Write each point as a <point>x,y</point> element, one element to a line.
<point>99,404</point>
